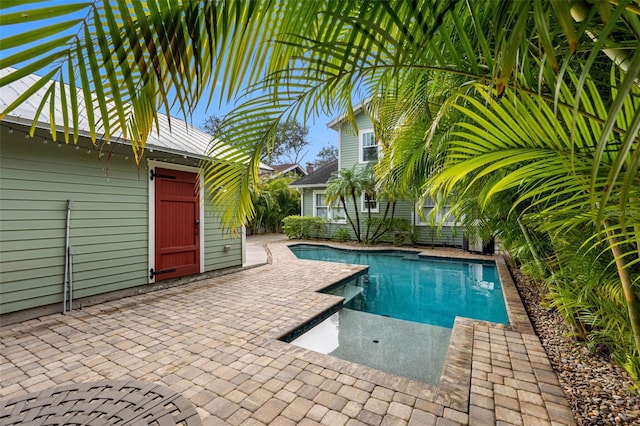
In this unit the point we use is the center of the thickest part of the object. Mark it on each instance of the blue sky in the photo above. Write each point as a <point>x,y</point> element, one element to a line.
<point>319,135</point>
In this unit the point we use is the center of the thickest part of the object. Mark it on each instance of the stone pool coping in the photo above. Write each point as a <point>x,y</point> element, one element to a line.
<point>469,375</point>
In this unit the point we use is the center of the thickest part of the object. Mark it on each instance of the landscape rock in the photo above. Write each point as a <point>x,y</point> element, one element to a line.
<point>599,391</point>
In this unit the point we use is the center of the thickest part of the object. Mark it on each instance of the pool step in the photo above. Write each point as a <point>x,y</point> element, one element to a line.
<point>349,291</point>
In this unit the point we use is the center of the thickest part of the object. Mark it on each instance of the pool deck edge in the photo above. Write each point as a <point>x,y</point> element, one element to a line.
<point>492,371</point>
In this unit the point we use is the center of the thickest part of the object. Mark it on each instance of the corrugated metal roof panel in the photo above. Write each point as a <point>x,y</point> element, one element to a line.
<point>180,138</point>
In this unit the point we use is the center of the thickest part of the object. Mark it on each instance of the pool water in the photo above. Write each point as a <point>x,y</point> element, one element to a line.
<point>374,341</point>
<point>399,316</point>
<point>405,286</point>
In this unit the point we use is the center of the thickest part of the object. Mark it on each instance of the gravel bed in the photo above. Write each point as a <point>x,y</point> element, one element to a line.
<point>599,391</point>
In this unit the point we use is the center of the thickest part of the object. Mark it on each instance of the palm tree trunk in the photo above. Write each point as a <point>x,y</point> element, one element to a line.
<point>346,213</point>
<point>366,238</point>
<point>355,205</point>
<point>380,225</point>
<point>633,304</point>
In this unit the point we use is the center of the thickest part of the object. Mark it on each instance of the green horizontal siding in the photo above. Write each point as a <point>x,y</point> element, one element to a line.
<point>349,146</point>
<point>307,202</point>
<point>215,240</point>
<point>447,236</point>
<point>109,225</point>
<point>23,267</point>
<point>349,141</point>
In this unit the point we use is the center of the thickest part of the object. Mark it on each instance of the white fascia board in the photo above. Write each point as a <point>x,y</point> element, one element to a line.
<point>315,185</point>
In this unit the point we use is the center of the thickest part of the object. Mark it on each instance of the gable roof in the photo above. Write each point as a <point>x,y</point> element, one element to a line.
<point>334,124</point>
<point>318,177</point>
<point>284,168</point>
<point>180,138</point>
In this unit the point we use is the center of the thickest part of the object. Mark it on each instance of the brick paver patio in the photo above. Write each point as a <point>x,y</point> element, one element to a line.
<point>215,341</point>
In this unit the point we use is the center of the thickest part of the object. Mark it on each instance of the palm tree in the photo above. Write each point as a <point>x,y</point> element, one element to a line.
<point>132,60</point>
<point>525,143</point>
<point>297,61</point>
<point>347,184</point>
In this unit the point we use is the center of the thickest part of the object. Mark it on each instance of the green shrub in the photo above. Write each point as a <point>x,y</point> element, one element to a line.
<point>587,292</point>
<point>398,231</point>
<point>403,232</point>
<point>341,235</point>
<point>314,227</point>
<point>297,227</point>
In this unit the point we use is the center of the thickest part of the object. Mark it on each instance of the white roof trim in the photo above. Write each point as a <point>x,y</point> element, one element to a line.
<point>333,124</point>
<point>295,166</point>
<point>311,185</point>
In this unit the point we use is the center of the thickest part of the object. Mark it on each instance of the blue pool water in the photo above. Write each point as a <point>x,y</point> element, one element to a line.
<point>398,317</point>
<point>405,286</point>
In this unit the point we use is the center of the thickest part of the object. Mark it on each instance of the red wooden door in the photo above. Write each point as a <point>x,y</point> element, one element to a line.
<point>177,224</point>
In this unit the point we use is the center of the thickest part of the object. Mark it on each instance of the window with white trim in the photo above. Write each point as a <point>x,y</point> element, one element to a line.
<point>443,216</point>
<point>321,209</point>
<point>368,146</point>
<point>369,200</point>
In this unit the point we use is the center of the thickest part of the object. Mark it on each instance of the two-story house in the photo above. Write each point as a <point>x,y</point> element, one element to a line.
<point>360,148</point>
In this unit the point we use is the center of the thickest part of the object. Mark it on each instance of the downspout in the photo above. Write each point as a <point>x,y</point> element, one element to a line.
<point>66,258</point>
<point>70,256</point>
<point>621,58</point>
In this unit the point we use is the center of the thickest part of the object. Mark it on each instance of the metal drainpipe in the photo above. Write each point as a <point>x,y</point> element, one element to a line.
<point>66,258</point>
<point>70,278</point>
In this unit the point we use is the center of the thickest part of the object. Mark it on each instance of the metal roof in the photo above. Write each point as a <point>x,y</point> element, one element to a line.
<point>180,138</point>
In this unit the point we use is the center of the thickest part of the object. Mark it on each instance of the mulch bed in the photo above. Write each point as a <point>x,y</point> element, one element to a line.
<point>599,391</point>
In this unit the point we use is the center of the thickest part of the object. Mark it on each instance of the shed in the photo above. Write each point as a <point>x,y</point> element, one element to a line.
<point>130,227</point>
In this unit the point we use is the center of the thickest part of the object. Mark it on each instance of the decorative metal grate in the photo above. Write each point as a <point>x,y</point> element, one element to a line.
<point>107,402</point>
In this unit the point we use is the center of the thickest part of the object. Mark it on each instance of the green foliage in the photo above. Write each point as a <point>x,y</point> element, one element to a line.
<point>341,235</point>
<point>273,200</point>
<point>558,156</point>
<point>404,232</point>
<point>303,227</point>
<point>586,291</point>
<point>564,193</point>
<point>399,231</point>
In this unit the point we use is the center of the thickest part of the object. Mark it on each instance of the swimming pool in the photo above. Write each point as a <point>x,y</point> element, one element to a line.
<point>409,287</point>
<point>398,317</point>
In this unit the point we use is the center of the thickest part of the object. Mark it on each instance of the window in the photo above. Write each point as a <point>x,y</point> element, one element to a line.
<point>368,146</point>
<point>443,216</point>
<point>320,209</point>
<point>369,200</point>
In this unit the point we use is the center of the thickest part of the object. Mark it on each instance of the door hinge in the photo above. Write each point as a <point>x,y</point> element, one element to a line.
<point>153,174</point>
<point>153,274</point>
